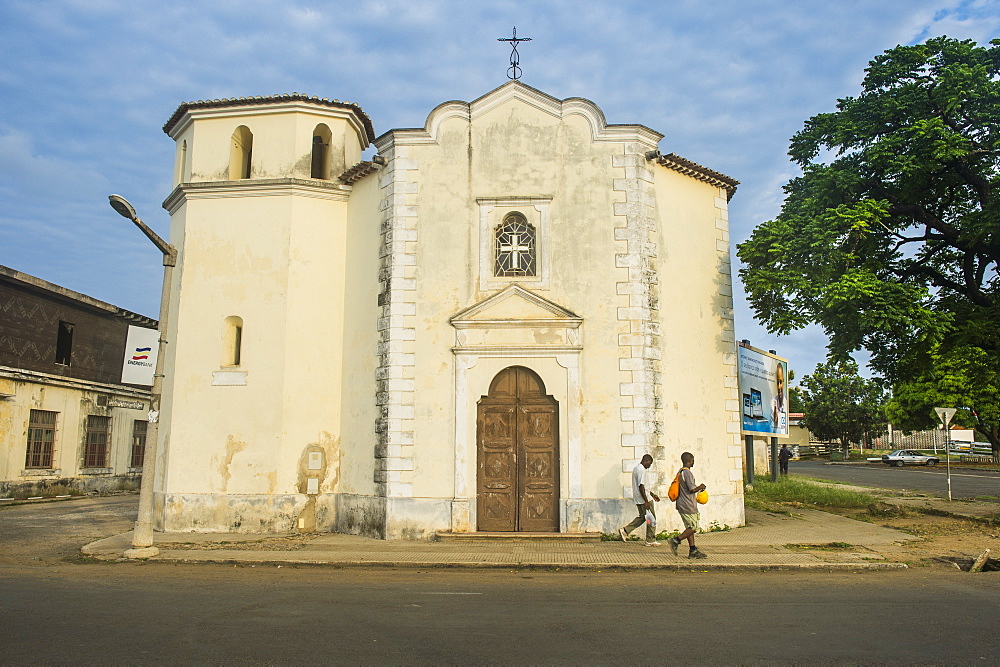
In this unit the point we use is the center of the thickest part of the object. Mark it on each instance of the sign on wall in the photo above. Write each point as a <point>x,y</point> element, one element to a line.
<point>141,346</point>
<point>764,392</point>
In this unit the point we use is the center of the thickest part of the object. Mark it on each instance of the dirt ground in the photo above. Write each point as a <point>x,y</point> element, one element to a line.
<point>944,541</point>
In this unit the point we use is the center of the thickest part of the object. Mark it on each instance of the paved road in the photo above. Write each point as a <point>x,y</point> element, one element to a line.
<point>45,533</point>
<point>933,480</point>
<point>145,614</point>
<point>63,611</point>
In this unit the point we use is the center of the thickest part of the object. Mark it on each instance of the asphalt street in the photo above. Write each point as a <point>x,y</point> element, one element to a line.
<point>933,480</point>
<point>146,614</point>
<point>56,608</point>
<point>43,533</point>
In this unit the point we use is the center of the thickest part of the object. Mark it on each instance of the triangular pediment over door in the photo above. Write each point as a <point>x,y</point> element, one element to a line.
<point>517,318</point>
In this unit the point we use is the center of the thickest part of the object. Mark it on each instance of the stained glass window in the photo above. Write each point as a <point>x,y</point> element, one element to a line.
<point>515,247</point>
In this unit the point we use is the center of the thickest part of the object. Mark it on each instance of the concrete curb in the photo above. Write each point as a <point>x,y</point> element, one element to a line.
<point>603,567</point>
<point>701,566</point>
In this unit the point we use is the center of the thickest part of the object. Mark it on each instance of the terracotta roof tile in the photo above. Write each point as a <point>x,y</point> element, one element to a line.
<point>694,170</point>
<point>358,171</point>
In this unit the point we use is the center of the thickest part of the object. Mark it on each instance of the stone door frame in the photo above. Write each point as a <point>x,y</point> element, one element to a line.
<point>515,488</point>
<point>559,369</point>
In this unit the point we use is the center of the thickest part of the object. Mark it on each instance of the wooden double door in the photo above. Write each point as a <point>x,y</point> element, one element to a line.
<point>517,442</point>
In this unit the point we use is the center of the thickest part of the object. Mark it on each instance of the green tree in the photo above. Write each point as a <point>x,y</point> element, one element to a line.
<point>964,378</point>
<point>890,238</point>
<point>841,405</point>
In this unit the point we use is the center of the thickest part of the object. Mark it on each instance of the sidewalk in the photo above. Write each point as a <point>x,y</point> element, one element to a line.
<point>820,541</point>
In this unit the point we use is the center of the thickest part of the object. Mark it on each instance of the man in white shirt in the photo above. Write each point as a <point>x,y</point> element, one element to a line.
<point>643,501</point>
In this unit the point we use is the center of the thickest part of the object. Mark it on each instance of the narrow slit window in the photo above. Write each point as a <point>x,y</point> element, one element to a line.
<point>181,166</point>
<point>64,343</point>
<point>241,153</point>
<point>232,349</point>
<point>320,167</point>
<point>515,247</point>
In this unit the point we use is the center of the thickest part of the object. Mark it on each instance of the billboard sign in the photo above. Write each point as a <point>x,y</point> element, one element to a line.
<point>764,392</point>
<point>141,346</point>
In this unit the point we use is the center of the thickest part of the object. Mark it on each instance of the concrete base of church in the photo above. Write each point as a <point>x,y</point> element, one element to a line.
<point>230,513</point>
<point>400,518</point>
<point>392,518</point>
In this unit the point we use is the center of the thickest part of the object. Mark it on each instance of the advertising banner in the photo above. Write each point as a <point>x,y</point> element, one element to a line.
<point>764,390</point>
<point>141,346</point>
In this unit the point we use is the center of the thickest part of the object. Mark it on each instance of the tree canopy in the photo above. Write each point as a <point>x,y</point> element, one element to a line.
<point>890,238</point>
<point>964,378</point>
<point>841,405</point>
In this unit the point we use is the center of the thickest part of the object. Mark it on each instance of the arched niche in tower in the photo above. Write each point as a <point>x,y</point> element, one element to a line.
<point>180,165</point>
<point>321,152</point>
<point>240,153</point>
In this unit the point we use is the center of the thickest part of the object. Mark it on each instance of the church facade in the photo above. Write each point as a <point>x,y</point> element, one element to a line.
<point>481,328</point>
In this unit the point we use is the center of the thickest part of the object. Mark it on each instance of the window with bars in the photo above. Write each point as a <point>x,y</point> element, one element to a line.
<point>138,442</point>
<point>515,247</point>
<point>95,448</point>
<point>41,439</point>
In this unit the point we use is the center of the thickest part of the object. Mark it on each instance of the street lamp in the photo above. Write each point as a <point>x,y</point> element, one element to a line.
<point>142,535</point>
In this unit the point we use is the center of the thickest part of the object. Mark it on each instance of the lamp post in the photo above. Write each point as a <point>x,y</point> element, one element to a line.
<point>142,535</point>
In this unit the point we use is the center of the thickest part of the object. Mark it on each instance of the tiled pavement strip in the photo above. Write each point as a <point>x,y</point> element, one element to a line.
<point>760,545</point>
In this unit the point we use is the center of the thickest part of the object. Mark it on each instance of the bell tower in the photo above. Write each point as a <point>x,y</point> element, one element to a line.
<point>252,393</point>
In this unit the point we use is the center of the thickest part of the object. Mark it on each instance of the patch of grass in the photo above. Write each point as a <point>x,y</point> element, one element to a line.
<point>803,493</point>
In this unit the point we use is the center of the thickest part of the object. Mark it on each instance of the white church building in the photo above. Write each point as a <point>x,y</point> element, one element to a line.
<point>481,328</point>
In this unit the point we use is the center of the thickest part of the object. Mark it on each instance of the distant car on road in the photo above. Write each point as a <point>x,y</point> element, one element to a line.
<point>902,457</point>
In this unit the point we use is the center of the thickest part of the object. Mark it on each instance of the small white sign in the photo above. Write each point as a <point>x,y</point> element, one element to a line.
<point>945,414</point>
<point>141,346</point>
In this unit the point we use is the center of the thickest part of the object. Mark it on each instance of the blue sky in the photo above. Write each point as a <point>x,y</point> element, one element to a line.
<point>86,85</point>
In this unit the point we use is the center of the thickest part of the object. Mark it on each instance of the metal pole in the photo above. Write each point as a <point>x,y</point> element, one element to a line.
<point>774,459</point>
<point>748,439</point>
<point>142,535</point>
<point>947,456</point>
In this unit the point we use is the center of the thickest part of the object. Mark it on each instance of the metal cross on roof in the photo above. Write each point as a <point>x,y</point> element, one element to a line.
<point>514,72</point>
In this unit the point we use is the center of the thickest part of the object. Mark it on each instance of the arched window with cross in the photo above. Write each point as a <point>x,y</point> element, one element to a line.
<point>515,247</point>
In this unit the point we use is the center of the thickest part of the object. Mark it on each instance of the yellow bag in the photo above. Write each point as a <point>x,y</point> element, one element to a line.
<point>702,497</point>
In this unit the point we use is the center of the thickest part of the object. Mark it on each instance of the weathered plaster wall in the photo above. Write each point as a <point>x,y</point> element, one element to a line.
<point>358,388</point>
<point>274,253</point>
<point>73,401</point>
<point>701,406</point>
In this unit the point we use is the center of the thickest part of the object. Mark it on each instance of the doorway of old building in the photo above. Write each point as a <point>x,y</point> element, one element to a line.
<point>517,444</point>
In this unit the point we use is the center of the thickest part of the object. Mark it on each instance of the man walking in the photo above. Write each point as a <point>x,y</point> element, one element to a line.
<point>783,457</point>
<point>643,501</point>
<point>687,507</point>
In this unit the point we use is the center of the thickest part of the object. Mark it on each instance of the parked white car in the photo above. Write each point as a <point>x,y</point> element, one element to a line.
<point>902,457</point>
